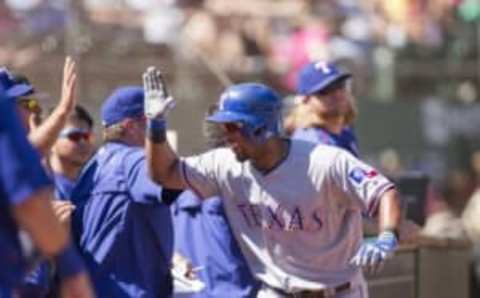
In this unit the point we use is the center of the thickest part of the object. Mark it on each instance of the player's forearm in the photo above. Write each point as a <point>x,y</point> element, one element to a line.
<point>44,136</point>
<point>163,164</point>
<point>36,217</point>
<point>389,212</point>
<point>50,237</point>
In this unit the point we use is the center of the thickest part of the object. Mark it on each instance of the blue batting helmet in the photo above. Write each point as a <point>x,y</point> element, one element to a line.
<point>256,106</point>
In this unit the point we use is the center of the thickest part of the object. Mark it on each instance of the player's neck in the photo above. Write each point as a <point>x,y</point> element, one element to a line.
<point>334,125</point>
<point>64,167</point>
<point>271,155</point>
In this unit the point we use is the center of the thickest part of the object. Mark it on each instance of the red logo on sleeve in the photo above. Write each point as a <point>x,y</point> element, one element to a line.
<point>358,174</point>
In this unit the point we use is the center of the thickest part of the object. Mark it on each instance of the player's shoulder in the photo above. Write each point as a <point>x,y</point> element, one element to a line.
<point>219,158</point>
<point>313,134</point>
<point>317,156</point>
<point>221,155</point>
<point>314,149</point>
<point>120,155</point>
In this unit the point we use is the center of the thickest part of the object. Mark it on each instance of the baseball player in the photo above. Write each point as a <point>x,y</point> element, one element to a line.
<point>71,151</point>
<point>24,199</point>
<point>294,206</point>
<point>203,236</point>
<point>122,221</point>
<point>68,155</point>
<point>325,96</point>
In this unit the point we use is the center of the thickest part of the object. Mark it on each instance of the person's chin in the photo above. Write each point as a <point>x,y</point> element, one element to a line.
<point>239,156</point>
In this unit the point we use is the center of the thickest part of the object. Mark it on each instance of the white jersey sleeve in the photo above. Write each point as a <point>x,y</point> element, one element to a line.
<point>361,182</point>
<point>200,172</point>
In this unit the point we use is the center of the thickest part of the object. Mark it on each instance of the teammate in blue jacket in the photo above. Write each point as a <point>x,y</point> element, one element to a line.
<point>25,210</point>
<point>122,220</point>
<point>203,235</point>
<point>71,151</point>
<point>328,105</point>
<point>68,155</point>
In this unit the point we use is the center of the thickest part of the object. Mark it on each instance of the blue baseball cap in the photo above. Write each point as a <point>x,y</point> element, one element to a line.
<point>124,102</point>
<point>13,88</point>
<point>317,75</point>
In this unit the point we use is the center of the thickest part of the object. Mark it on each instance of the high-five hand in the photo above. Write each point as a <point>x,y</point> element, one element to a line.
<point>157,100</point>
<point>69,83</point>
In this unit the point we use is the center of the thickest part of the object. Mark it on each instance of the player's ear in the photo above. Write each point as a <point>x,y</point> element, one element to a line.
<point>127,123</point>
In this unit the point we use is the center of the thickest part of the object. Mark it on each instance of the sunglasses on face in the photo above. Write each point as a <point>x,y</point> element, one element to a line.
<point>232,127</point>
<point>31,104</point>
<point>342,84</point>
<point>76,135</point>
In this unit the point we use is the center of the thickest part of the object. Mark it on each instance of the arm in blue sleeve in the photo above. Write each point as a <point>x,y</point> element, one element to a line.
<point>142,188</point>
<point>21,171</point>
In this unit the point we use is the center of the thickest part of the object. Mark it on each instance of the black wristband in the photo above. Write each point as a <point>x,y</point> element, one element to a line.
<point>156,130</point>
<point>69,262</point>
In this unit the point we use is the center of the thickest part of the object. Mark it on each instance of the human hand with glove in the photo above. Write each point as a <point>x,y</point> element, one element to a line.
<point>157,100</point>
<point>372,254</point>
<point>157,104</point>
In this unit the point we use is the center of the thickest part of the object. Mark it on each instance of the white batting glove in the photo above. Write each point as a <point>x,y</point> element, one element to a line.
<point>157,100</point>
<point>372,254</point>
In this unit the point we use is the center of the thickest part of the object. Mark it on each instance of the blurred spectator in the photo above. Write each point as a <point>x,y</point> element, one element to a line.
<point>308,41</point>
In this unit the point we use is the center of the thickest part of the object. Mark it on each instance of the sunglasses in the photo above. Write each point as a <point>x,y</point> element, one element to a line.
<point>31,104</point>
<point>76,135</point>
<point>341,84</point>
<point>232,127</point>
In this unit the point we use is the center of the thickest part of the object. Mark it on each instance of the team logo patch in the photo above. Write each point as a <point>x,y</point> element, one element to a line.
<point>358,175</point>
<point>323,67</point>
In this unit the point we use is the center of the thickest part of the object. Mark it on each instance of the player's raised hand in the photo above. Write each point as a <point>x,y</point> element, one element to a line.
<point>157,100</point>
<point>372,254</point>
<point>69,83</point>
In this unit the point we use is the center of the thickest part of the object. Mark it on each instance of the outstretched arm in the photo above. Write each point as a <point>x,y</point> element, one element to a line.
<point>373,253</point>
<point>163,162</point>
<point>44,136</point>
<point>389,212</point>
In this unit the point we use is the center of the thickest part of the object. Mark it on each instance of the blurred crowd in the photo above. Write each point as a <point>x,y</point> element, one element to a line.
<point>377,40</point>
<point>261,36</point>
<point>386,44</point>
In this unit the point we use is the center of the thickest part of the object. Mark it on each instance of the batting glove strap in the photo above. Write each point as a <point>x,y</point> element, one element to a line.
<point>156,130</point>
<point>69,262</point>
<point>387,241</point>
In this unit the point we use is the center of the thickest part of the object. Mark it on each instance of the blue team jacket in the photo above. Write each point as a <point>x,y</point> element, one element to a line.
<point>21,175</point>
<point>203,235</point>
<point>122,226</point>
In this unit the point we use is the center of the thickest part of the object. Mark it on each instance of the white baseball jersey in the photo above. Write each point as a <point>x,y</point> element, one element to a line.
<point>300,224</point>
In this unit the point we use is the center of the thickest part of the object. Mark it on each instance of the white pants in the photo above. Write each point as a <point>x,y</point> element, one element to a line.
<point>358,291</point>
